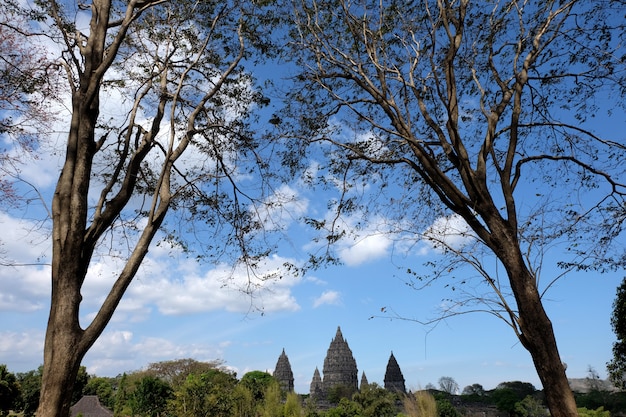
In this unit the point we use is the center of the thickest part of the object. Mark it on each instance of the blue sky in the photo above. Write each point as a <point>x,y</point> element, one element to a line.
<point>177,308</point>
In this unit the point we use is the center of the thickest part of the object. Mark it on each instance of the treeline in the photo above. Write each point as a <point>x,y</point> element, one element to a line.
<point>522,399</point>
<point>189,388</point>
<point>184,388</point>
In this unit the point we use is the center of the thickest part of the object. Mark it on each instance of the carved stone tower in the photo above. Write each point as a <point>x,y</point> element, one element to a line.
<point>339,366</point>
<point>364,382</point>
<point>394,380</point>
<point>283,373</point>
<point>316,385</point>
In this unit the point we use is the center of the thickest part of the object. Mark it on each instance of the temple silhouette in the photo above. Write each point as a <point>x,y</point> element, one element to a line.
<point>339,372</point>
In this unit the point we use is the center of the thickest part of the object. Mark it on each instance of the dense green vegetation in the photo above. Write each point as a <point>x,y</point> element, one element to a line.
<point>188,388</point>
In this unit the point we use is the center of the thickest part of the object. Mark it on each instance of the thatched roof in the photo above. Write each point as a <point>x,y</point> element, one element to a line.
<point>89,406</point>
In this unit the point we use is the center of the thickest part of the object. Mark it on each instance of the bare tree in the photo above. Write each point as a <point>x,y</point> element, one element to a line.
<point>448,384</point>
<point>181,145</point>
<point>474,119</point>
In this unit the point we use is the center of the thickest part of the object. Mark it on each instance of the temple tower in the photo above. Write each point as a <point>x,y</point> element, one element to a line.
<point>283,373</point>
<point>364,382</point>
<point>339,365</point>
<point>316,384</point>
<point>394,380</point>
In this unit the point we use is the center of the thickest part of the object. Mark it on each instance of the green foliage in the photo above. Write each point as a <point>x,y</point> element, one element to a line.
<point>345,408</point>
<point>375,401</point>
<point>473,393</point>
<point>338,392</point>
<point>446,409</point>
<point>121,397</point>
<point>210,393</point>
<point>10,392</point>
<point>594,399</point>
<point>617,366</point>
<point>244,403</point>
<point>103,388</point>
<point>531,407</point>
<point>175,372</point>
<point>310,408</point>
<point>292,407</point>
<point>598,412</point>
<point>521,389</point>
<point>150,397</point>
<point>272,406</point>
<point>474,390</point>
<point>371,401</point>
<point>505,399</point>
<point>614,402</point>
<point>30,382</point>
<point>257,382</point>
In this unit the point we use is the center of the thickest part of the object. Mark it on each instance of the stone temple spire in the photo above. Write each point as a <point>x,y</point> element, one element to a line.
<point>283,373</point>
<point>316,384</point>
<point>339,365</point>
<point>364,382</point>
<point>394,380</point>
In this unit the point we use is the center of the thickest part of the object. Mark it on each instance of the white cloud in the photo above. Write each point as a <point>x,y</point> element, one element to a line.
<point>450,232</point>
<point>315,280</point>
<point>362,245</point>
<point>21,349</point>
<point>367,248</point>
<point>235,289</point>
<point>118,351</point>
<point>24,285</point>
<point>327,297</point>
<point>281,209</point>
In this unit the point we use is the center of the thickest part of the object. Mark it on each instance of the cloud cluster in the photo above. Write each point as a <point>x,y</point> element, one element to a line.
<point>120,351</point>
<point>179,286</point>
<point>327,297</point>
<point>24,278</point>
<point>449,232</point>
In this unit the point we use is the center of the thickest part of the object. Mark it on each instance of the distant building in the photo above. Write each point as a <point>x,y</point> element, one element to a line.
<point>394,380</point>
<point>283,373</point>
<point>364,382</point>
<point>89,406</point>
<point>339,370</point>
<point>339,365</point>
<point>316,389</point>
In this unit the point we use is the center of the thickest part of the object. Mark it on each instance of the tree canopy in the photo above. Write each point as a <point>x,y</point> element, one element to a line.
<point>474,123</point>
<point>617,365</point>
<point>178,140</point>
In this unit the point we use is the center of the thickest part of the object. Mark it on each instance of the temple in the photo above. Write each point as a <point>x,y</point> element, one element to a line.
<point>394,380</point>
<point>283,373</point>
<point>339,366</point>
<point>364,382</point>
<point>316,389</point>
<point>340,373</point>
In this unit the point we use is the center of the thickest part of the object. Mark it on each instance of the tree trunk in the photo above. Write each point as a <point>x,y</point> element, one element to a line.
<point>537,334</point>
<point>62,360</point>
<point>538,338</point>
<point>65,344</point>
